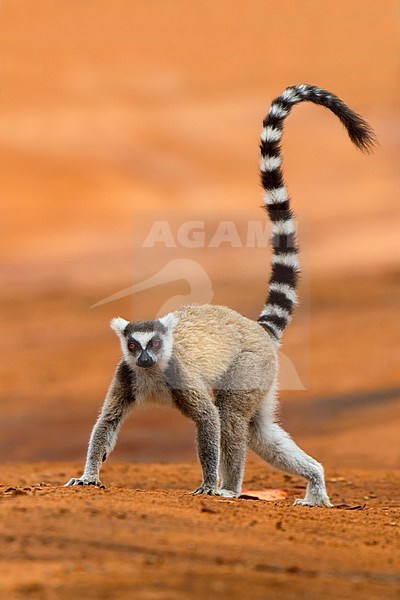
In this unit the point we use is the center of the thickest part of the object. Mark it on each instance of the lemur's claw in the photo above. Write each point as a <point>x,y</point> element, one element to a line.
<point>97,484</point>
<point>205,489</point>
<point>85,481</point>
<point>210,490</point>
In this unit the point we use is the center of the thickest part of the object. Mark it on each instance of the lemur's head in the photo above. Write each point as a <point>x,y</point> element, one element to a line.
<point>144,343</point>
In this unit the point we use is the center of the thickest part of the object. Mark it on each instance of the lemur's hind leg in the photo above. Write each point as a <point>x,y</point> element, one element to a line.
<point>276,447</point>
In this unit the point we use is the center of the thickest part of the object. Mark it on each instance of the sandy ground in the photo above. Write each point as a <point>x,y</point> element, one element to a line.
<point>112,110</point>
<point>146,537</point>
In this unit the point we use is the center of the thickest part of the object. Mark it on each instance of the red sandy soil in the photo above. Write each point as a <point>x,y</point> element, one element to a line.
<point>146,537</point>
<point>109,109</point>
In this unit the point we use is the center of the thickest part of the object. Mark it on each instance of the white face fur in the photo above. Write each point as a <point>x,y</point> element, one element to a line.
<point>144,349</point>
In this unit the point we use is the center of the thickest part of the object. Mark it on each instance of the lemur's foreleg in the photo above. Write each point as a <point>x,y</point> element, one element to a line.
<point>197,406</point>
<point>119,399</point>
<point>206,418</point>
<point>240,391</point>
<point>195,401</point>
<point>234,433</point>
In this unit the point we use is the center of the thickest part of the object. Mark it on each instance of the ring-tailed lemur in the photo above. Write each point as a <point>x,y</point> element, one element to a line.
<point>216,366</point>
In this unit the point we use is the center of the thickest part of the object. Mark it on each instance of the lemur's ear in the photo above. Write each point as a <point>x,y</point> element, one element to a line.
<point>118,324</point>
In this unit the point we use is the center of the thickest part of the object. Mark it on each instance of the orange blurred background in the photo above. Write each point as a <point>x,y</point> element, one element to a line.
<point>112,108</point>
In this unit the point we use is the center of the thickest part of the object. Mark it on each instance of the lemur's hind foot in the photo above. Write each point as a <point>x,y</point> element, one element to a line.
<point>321,503</point>
<point>315,496</point>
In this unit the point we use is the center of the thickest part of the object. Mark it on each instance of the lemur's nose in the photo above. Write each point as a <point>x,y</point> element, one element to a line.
<point>145,361</point>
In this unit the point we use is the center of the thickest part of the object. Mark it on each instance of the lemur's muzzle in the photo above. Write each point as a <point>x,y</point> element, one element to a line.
<point>145,361</point>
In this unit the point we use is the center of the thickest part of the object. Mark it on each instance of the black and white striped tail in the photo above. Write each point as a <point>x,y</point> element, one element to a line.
<point>282,296</point>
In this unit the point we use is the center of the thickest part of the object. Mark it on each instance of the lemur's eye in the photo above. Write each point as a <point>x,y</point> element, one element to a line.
<point>132,346</point>
<point>156,344</point>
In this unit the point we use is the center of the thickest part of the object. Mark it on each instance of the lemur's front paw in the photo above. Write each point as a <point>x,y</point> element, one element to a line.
<point>227,493</point>
<point>85,481</point>
<point>209,490</point>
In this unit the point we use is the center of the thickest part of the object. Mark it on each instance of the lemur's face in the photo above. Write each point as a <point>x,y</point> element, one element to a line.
<point>144,347</point>
<point>144,343</point>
